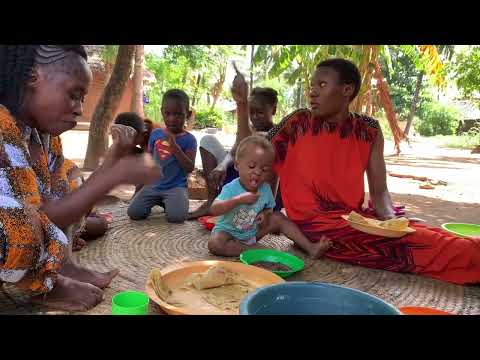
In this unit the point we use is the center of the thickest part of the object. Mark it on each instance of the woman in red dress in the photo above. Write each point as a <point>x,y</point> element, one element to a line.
<point>322,154</point>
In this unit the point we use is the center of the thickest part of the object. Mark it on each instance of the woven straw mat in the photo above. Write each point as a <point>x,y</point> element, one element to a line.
<point>135,247</point>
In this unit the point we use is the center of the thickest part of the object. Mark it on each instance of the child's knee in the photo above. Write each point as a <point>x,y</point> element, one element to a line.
<point>177,210</point>
<point>136,213</point>
<point>176,217</point>
<point>216,245</point>
<point>276,219</point>
<point>278,216</point>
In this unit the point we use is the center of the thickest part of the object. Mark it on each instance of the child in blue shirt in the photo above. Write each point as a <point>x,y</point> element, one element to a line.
<point>174,150</point>
<point>246,206</point>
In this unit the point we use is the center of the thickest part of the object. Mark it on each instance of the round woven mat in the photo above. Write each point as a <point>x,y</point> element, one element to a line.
<point>135,247</point>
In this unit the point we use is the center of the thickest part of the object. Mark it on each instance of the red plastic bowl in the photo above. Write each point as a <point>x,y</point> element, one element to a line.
<point>208,222</point>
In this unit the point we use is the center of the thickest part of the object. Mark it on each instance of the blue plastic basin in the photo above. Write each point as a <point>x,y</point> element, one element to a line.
<point>305,298</point>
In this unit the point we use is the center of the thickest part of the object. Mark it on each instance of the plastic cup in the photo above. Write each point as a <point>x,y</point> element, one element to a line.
<point>130,303</point>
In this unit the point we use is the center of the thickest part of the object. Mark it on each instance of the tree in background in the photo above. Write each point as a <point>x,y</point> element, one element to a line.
<point>467,73</point>
<point>393,76</point>
<point>137,95</point>
<point>107,106</point>
<point>200,70</point>
<point>109,55</point>
<point>297,62</point>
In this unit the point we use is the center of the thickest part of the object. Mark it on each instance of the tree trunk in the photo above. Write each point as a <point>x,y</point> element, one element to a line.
<point>108,72</point>
<point>369,108</point>
<point>386,102</point>
<point>137,96</point>
<point>413,108</point>
<point>356,104</point>
<point>218,87</point>
<point>107,106</point>
<point>195,94</point>
<point>191,120</point>
<point>369,57</point>
<point>298,98</point>
<point>251,66</point>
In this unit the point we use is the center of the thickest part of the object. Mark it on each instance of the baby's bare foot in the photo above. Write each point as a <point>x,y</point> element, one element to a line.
<point>319,248</point>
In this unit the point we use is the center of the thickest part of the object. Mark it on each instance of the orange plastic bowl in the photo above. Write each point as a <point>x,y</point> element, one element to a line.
<point>416,310</point>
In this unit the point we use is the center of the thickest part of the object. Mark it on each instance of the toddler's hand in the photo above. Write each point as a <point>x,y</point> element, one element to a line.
<point>248,198</point>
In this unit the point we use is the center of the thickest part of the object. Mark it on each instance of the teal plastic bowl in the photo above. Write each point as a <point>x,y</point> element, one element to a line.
<point>306,298</point>
<point>130,303</point>
<point>464,230</point>
<point>296,264</point>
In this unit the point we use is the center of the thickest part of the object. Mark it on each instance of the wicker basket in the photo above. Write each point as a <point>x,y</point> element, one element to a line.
<point>197,187</point>
<point>197,193</point>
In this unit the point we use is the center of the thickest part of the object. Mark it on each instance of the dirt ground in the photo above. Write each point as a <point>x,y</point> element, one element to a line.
<point>458,201</point>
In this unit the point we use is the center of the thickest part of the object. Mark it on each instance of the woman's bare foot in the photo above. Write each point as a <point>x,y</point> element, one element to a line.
<point>79,273</point>
<point>70,295</point>
<point>203,210</point>
<point>318,249</point>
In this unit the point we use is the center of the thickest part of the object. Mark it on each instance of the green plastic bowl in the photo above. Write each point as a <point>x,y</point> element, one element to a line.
<point>130,303</point>
<point>465,230</point>
<point>252,256</point>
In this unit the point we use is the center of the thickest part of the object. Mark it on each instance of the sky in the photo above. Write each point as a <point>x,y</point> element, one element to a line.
<point>155,49</point>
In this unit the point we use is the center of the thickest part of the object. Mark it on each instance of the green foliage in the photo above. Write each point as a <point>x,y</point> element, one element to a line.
<point>287,69</point>
<point>298,61</point>
<point>293,65</point>
<point>285,95</point>
<point>437,119</point>
<point>196,55</point>
<point>168,76</point>
<point>402,78</point>
<point>464,141</point>
<point>109,54</point>
<point>467,72</point>
<point>196,69</point>
<point>206,117</point>
<point>383,121</point>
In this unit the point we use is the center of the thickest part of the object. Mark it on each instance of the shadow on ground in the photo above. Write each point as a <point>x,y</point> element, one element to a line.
<point>440,162</point>
<point>437,211</point>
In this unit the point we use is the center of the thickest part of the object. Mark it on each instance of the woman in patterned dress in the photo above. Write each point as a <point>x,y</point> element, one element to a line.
<point>42,88</point>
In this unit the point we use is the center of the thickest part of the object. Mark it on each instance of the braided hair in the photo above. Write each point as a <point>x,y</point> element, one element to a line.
<point>18,61</point>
